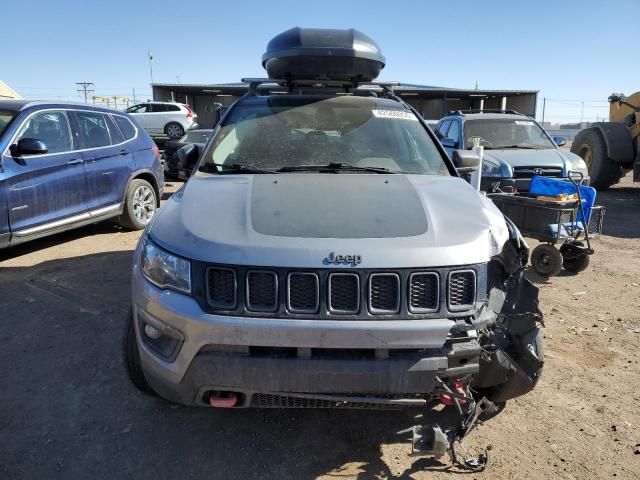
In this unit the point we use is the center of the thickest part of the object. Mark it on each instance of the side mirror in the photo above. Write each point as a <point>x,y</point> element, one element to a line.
<point>560,141</point>
<point>29,146</point>
<point>448,142</point>
<point>465,161</point>
<point>188,155</point>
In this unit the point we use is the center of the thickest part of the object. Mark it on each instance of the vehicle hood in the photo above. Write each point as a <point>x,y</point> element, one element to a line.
<point>528,158</point>
<point>296,220</point>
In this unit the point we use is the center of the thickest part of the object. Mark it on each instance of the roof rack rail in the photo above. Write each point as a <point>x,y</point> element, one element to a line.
<point>484,110</point>
<point>254,83</point>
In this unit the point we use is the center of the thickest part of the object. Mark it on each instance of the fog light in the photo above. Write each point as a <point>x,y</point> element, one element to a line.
<point>152,332</point>
<point>161,338</point>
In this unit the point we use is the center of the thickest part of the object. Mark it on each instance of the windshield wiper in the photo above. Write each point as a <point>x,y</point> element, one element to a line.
<point>239,168</point>
<point>334,167</point>
<point>525,146</point>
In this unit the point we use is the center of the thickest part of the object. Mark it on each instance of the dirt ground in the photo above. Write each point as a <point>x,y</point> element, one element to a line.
<point>68,411</point>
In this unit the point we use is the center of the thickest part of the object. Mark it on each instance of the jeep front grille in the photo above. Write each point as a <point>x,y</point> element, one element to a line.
<point>303,292</point>
<point>221,287</point>
<point>462,289</point>
<point>344,293</point>
<point>262,291</point>
<point>424,292</point>
<point>384,293</point>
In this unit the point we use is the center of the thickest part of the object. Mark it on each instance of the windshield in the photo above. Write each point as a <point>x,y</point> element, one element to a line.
<point>506,133</point>
<point>197,136</point>
<point>5,117</point>
<point>300,132</point>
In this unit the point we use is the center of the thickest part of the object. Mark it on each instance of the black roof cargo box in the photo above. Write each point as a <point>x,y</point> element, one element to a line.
<point>323,54</point>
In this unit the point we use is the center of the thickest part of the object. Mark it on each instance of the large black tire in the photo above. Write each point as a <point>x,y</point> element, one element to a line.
<point>131,356</point>
<point>591,146</point>
<point>139,205</point>
<point>546,260</point>
<point>173,130</point>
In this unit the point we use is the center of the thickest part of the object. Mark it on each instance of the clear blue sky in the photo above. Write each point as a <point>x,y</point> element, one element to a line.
<point>571,51</point>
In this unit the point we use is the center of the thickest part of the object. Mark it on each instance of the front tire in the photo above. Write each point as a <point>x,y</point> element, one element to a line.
<point>590,145</point>
<point>132,362</point>
<point>174,130</point>
<point>139,206</point>
<point>546,260</point>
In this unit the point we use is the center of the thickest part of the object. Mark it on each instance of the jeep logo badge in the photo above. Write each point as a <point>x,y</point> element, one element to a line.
<point>352,260</point>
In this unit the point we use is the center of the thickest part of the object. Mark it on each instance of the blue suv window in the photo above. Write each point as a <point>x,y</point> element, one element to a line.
<point>116,135</point>
<point>5,117</point>
<point>50,127</point>
<point>126,127</point>
<point>454,131</point>
<point>441,131</point>
<point>93,128</point>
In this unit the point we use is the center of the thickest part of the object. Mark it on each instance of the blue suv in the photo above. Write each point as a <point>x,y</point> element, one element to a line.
<point>66,165</point>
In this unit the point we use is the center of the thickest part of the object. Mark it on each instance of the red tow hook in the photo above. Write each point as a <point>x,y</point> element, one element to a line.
<point>223,399</point>
<point>456,386</point>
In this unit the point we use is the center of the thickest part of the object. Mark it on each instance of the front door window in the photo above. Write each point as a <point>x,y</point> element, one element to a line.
<point>52,128</point>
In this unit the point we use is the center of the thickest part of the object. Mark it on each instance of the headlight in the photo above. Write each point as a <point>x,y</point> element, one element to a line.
<point>579,165</point>
<point>164,269</point>
<point>490,169</point>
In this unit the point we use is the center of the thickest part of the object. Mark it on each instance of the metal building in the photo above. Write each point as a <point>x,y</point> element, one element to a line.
<point>7,93</point>
<point>209,100</point>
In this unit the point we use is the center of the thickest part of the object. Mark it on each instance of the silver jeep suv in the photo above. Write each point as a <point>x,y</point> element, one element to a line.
<point>326,253</point>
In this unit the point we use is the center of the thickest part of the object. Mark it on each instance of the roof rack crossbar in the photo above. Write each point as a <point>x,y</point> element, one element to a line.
<point>254,83</point>
<point>484,110</point>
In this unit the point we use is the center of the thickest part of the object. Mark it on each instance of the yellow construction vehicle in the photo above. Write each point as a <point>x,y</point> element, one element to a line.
<point>611,149</point>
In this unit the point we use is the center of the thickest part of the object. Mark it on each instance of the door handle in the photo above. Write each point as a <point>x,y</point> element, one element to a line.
<point>124,152</point>
<point>76,161</point>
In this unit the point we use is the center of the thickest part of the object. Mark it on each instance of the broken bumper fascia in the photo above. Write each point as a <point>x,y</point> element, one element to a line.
<point>198,365</point>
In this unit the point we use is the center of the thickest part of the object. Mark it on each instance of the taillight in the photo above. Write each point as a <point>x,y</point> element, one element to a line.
<point>189,111</point>
<point>156,150</point>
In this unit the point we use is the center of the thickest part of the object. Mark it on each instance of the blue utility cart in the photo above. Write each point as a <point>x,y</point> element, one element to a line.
<point>570,223</point>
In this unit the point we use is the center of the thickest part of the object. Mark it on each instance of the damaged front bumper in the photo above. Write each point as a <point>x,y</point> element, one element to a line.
<point>264,377</point>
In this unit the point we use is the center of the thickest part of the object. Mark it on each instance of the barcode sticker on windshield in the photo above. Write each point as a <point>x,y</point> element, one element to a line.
<point>400,114</point>
<point>524,122</point>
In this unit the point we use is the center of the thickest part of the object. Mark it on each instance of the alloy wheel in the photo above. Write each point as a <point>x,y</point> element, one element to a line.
<point>144,204</point>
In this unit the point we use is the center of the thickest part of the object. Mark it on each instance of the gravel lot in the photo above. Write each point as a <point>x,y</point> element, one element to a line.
<point>67,409</point>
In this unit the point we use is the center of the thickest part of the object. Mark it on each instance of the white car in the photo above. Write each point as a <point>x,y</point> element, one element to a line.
<point>169,118</point>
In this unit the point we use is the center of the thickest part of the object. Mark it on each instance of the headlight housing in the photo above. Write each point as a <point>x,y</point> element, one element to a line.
<point>579,165</point>
<point>164,269</point>
<point>491,169</point>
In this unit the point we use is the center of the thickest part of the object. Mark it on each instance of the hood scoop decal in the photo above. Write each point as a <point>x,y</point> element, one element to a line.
<point>336,206</point>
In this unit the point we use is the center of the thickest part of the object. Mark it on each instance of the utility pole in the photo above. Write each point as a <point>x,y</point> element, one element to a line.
<point>150,65</point>
<point>582,113</point>
<point>134,95</point>
<point>85,88</point>
<point>544,106</point>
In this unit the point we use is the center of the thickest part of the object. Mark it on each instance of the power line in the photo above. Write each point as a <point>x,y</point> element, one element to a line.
<point>86,88</point>
<point>575,100</point>
<point>121,87</point>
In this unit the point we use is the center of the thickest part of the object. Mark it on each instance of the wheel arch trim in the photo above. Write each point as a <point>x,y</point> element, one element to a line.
<point>148,176</point>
